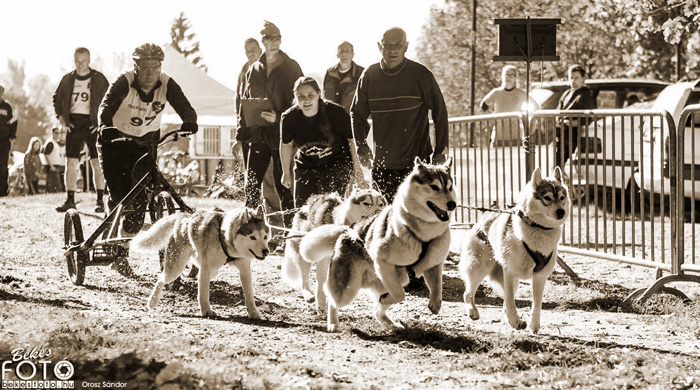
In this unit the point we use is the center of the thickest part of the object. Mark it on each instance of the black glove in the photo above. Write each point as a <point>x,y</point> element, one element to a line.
<point>107,134</point>
<point>190,127</point>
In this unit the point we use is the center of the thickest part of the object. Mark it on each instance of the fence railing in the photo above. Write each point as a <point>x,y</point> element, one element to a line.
<point>623,169</point>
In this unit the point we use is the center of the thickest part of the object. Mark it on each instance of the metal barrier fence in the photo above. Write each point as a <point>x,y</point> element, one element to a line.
<point>629,203</point>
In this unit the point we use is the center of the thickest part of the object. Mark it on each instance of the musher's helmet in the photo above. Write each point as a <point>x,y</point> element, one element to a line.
<point>148,51</point>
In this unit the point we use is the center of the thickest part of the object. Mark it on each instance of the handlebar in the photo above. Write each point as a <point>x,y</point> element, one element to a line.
<point>175,134</point>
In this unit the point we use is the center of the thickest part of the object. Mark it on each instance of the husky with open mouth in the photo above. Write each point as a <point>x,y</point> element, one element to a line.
<point>411,235</point>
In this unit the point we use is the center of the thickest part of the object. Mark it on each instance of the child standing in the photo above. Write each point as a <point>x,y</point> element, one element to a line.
<point>32,165</point>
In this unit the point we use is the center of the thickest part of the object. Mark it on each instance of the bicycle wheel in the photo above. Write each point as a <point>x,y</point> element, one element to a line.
<point>73,235</point>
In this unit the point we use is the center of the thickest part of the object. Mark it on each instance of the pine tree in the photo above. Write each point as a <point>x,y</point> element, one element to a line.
<point>184,41</point>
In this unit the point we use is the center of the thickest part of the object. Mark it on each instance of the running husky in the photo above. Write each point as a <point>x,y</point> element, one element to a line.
<point>522,245</point>
<point>412,235</point>
<point>320,210</point>
<point>210,239</point>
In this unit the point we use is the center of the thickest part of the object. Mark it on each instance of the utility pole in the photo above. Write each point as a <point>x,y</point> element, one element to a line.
<point>473,98</point>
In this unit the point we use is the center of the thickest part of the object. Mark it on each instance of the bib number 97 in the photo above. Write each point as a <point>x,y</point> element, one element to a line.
<point>136,121</point>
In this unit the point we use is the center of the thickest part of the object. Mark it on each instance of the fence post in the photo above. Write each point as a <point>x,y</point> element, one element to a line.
<point>527,145</point>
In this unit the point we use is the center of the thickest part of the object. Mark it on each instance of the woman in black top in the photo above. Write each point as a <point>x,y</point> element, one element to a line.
<point>319,131</point>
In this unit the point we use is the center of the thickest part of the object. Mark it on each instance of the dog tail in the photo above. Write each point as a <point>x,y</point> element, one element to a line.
<point>318,244</point>
<point>291,274</point>
<point>157,236</point>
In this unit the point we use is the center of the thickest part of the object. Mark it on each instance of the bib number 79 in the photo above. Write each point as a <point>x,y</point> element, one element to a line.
<point>136,121</point>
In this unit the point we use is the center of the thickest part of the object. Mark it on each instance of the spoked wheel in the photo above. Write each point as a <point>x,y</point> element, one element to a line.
<point>73,235</point>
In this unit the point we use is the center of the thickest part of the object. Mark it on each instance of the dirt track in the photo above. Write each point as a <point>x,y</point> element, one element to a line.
<point>109,317</point>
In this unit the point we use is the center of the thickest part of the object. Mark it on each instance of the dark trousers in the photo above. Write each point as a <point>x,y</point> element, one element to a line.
<point>55,179</point>
<point>567,142</point>
<point>5,146</point>
<point>332,177</point>
<point>259,157</point>
<point>121,171</point>
<point>387,181</point>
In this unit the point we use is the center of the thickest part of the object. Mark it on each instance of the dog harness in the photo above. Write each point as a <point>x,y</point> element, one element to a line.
<point>424,249</point>
<point>540,260</point>
<point>229,258</point>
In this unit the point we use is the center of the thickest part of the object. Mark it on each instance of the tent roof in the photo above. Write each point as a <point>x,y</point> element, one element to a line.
<point>207,96</point>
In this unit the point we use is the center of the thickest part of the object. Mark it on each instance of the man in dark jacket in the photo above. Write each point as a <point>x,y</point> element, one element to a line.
<point>398,93</point>
<point>76,102</point>
<point>341,79</point>
<point>578,97</point>
<point>272,77</point>
<point>8,133</point>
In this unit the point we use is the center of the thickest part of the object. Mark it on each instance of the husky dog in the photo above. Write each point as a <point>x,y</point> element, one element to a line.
<point>411,235</point>
<point>522,245</point>
<point>210,239</point>
<point>320,210</point>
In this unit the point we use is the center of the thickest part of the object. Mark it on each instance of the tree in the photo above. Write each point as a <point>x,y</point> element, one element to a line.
<point>601,35</point>
<point>30,101</point>
<point>184,41</point>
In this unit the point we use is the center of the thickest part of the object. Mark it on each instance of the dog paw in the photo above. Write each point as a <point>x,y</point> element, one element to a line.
<point>254,315</point>
<point>308,296</point>
<point>474,313</point>
<point>435,306</point>
<point>517,323</point>
<point>534,328</point>
<point>333,328</point>
<point>209,313</point>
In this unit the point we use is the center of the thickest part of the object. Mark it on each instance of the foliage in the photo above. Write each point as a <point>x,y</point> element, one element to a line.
<point>31,102</point>
<point>184,41</point>
<point>602,35</point>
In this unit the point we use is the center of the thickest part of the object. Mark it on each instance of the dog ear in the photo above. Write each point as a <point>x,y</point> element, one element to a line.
<point>418,163</point>
<point>260,212</point>
<point>557,173</point>
<point>448,163</point>
<point>536,178</point>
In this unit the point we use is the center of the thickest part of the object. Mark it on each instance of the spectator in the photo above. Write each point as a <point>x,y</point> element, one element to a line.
<point>506,98</point>
<point>32,165</point>
<point>272,77</point>
<point>54,154</point>
<point>8,133</point>
<point>131,112</point>
<point>269,192</point>
<point>577,97</point>
<point>341,79</point>
<point>398,93</point>
<point>321,131</point>
<point>76,102</point>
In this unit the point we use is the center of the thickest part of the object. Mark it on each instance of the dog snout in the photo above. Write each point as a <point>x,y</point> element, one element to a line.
<point>451,205</point>
<point>265,252</point>
<point>560,213</point>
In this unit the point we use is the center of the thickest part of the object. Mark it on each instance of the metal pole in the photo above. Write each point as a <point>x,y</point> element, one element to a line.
<point>473,73</point>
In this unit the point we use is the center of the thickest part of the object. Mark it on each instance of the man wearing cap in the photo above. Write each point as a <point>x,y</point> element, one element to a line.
<point>271,77</point>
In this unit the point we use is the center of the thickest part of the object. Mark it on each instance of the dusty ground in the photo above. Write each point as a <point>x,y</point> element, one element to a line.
<point>105,329</point>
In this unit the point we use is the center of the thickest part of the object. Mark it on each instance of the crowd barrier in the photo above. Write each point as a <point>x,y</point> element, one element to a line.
<point>632,178</point>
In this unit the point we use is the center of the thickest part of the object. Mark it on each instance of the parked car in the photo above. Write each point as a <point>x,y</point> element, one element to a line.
<point>609,93</point>
<point>605,159</point>
<point>654,176</point>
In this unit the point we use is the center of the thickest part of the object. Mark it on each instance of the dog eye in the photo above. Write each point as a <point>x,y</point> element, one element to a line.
<point>253,238</point>
<point>547,198</point>
<point>366,204</point>
<point>434,187</point>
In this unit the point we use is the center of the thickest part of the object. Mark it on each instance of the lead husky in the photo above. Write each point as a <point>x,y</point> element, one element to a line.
<point>523,245</point>
<point>321,210</point>
<point>410,235</point>
<point>210,239</point>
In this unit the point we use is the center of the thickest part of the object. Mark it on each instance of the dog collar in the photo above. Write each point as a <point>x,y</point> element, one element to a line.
<point>222,242</point>
<point>530,222</point>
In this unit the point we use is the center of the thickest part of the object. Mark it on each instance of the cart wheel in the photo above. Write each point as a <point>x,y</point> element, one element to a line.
<point>161,206</point>
<point>73,235</point>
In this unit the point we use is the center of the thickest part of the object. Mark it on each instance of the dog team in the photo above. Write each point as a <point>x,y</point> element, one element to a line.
<point>363,243</point>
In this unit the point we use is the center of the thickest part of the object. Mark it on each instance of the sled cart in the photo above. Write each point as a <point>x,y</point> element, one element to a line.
<point>105,245</point>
